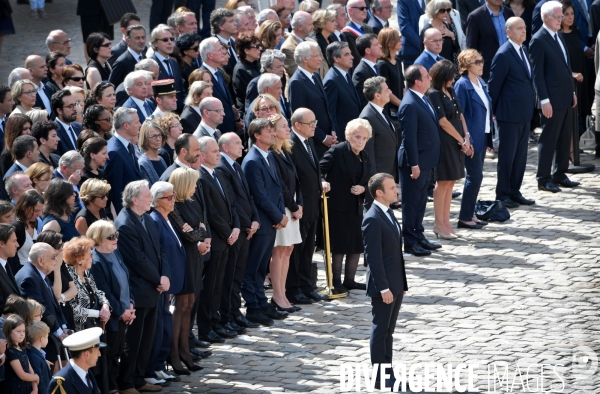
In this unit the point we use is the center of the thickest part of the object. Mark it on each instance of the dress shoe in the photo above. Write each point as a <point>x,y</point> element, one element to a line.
<point>396,205</point>
<point>549,187</point>
<point>522,200</point>
<point>231,326</point>
<point>456,194</point>
<point>426,244</point>
<point>167,376</point>
<point>300,299</point>
<point>157,382</point>
<point>568,183</point>
<point>196,354</point>
<point>150,388</point>
<point>481,222</point>
<point>257,316</point>
<point>211,337</point>
<point>509,203</point>
<point>225,333</point>
<point>416,250</point>
<point>273,313</point>
<point>243,322</point>
<point>192,367</point>
<point>313,295</point>
<point>296,308</point>
<point>355,286</point>
<point>441,235</point>
<point>282,309</point>
<point>198,343</point>
<point>476,226</point>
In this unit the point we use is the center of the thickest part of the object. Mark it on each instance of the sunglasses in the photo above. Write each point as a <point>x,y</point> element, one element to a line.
<point>359,8</point>
<point>445,10</point>
<point>166,39</point>
<point>269,108</point>
<point>169,198</point>
<point>108,44</point>
<point>195,49</point>
<point>113,237</point>
<point>478,62</point>
<point>103,196</point>
<point>109,119</point>
<point>255,46</point>
<point>77,79</point>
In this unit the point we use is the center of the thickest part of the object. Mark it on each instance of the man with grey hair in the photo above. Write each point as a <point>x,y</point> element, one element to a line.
<point>122,166</point>
<point>271,61</point>
<point>59,41</point>
<point>149,274</point>
<point>269,84</point>
<point>137,87</point>
<point>163,42</point>
<point>382,11</point>
<point>136,45</point>
<point>18,74</point>
<point>267,14</point>
<point>185,22</point>
<point>211,110</point>
<point>70,168</point>
<point>17,184</point>
<point>242,19</point>
<point>306,91</point>
<point>251,17</point>
<point>302,27</point>
<point>225,28</point>
<point>144,65</point>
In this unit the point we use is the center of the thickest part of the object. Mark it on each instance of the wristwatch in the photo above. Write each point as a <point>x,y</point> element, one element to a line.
<point>62,298</point>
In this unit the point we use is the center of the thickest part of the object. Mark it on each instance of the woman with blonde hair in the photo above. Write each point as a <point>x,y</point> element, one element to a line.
<point>310,6</point>
<point>37,115</point>
<point>324,25</point>
<point>94,195</point>
<point>24,93</point>
<point>270,34</point>
<point>170,123</point>
<point>265,105</point>
<point>40,175</point>
<point>150,140</point>
<point>391,69</point>
<point>190,116</point>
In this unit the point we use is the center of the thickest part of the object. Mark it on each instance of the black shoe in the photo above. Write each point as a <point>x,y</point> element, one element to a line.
<point>313,295</point>
<point>272,313</point>
<point>482,223</point>
<point>523,201</point>
<point>243,322</point>
<point>396,205</point>
<point>426,244</point>
<point>355,286</point>
<point>195,342</point>
<point>196,354</point>
<point>231,326</point>
<point>549,187</point>
<point>192,367</point>
<point>568,183</point>
<point>224,332</point>
<point>532,138</point>
<point>279,308</point>
<point>300,299</point>
<point>456,194</point>
<point>340,289</point>
<point>416,250</point>
<point>211,337</point>
<point>510,203</point>
<point>476,226</point>
<point>257,316</point>
<point>296,308</point>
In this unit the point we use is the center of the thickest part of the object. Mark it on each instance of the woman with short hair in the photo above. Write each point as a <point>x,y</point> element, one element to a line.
<point>40,175</point>
<point>94,195</point>
<point>24,94</point>
<point>171,124</point>
<point>60,200</point>
<point>98,49</point>
<point>248,48</point>
<point>324,25</point>
<point>151,139</point>
<point>188,45</point>
<point>73,75</point>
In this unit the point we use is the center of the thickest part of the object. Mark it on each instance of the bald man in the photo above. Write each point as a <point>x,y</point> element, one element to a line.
<point>36,65</point>
<point>432,41</point>
<point>212,112</point>
<point>58,40</point>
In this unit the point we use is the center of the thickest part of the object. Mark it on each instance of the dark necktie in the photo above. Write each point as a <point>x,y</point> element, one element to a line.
<point>524,61</point>
<point>307,144</point>
<point>438,58</point>
<point>394,221</point>
<point>214,174</point>
<point>148,108</point>
<point>131,152</point>
<point>48,283</point>
<point>140,57</point>
<point>232,49</point>
<point>559,47</point>
<point>237,170</point>
<point>387,24</point>
<point>217,134</point>
<point>376,67</point>
<point>349,80</point>
<point>144,224</point>
<point>428,104</point>
<point>168,67</point>
<point>73,137</point>
<point>221,80</point>
<point>89,382</point>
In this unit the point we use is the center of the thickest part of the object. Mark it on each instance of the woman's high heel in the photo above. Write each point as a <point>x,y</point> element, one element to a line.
<point>178,371</point>
<point>281,309</point>
<point>439,234</point>
<point>192,367</point>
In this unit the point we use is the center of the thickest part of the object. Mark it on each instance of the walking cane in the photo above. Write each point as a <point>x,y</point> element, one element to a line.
<point>329,290</point>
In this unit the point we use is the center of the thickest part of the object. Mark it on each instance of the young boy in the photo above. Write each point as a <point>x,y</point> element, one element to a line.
<point>37,336</point>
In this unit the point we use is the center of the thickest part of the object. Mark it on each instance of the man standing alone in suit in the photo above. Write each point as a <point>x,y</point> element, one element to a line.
<point>513,100</point>
<point>386,275</point>
<point>553,82</point>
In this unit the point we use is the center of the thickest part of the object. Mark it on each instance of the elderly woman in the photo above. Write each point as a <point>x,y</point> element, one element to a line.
<point>439,12</point>
<point>190,116</point>
<point>151,139</point>
<point>188,217</point>
<point>112,277</point>
<point>391,69</point>
<point>40,175</point>
<point>73,76</point>
<point>454,145</point>
<point>248,48</point>
<point>472,94</point>
<point>27,211</point>
<point>346,167</point>
<point>60,200</point>
<point>98,49</point>
<point>55,61</point>
<point>94,195</point>
<point>171,124</point>
<point>288,236</point>
<point>163,203</point>
<point>95,154</point>
<point>188,45</point>
<point>98,119</point>
<point>17,125</point>
<point>324,25</point>
<point>103,94</point>
<point>24,94</point>
<point>270,34</point>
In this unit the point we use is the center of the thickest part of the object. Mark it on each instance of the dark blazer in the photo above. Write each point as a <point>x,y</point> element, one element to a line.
<point>481,35</point>
<point>225,97</point>
<point>252,94</point>
<point>464,8</point>
<point>244,203</point>
<point>73,383</point>
<point>243,73</point>
<point>15,167</point>
<point>8,285</point>
<point>304,93</point>
<point>383,251</point>
<point>116,51</point>
<point>320,39</point>
<point>362,72</point>
<point>351,40</point>
<point>31,285</point>
<point>409,12</point>
<point>39,103</point>
<point>309,174</point>
<point>129,103</point>
<point>172,247</point>
<point>51,161</point>
<point>376,24</point>
<point>143,255</point>
<point>65,144</point>
<point>580,20</point>
<point>121,94</point>
<point>265,187</point>
<point>551,74</point>
<point>190,119</point>
<point>119,170</point>
<point>179,83</point>
<point>343,99</point>
<point>120,68</point>
<point>106,280</point>
<point>222,217</point>
<point>147,169</point>
<point>382,147</point>
<point>474,110</point>
<point>290,184</point>
<point>421,133</point>
<point>511,85</point>
<point>425,60</point>
<point>40,368</point>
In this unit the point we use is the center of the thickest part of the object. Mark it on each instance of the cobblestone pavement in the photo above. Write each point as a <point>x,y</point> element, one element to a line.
<point>522,292</point>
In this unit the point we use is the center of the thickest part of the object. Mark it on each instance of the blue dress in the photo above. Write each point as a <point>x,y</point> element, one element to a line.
<point>67,229</point>
<point>13,384</point>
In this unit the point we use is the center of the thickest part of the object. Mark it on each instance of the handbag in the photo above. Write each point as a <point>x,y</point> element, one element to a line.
<point>491,211</point>
<point>588,139</point>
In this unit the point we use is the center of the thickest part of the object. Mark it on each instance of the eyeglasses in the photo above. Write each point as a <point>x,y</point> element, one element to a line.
<point>71,107</point>
<point>109,119</point>
<point>108,44</point>
<point>175,125</point>
<point>195,49</point>
<point>445,10</point>
<point>255,46</point>
<point>30,92</point>
<point>311,124</point>
<point>360,8</point>
<point>558,18</point>
<point>155,136</point>
<point>478,62</point>
<point>269,108</point>
<point>220,111</point>
<point>169,198</point>
<point>76,79</point>
<point>64,42</point>
<point>113,236</point>
<point>167,39</point>
<point>436,41</point>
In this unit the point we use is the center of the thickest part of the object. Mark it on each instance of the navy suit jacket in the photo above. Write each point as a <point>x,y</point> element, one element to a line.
<point>40,367</point>
<point>382,147</point>
<point>73,383</point>
<point>8,285</point>
<point>375,25</point>
<point>511,86</point>
<point>116,51</point>
<point>225,97</point>
<point>123,66</point>
<point>173,247</point>
<point>383,251</point>
<point>580,20</point>
<point>343,99</point>
<point>39,103</point>
<point>425,60</point>
<point>129,103</point>
<point>65,144</point>
<point>474,110</point>
<point>190,119</point>
<point>179,83</point>
<point>409,12</point>
<point>421,133</point>
<point>362,72</point>
<point>120,169</point>
<point>121,94</point>
<point>265,188</point>
<point>15,167</point>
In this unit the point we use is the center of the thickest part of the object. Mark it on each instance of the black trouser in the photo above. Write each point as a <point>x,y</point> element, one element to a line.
<point>138,345</point>
<point>512,158</point>
<point>231,300</point>
<point>210,297</point>
<point>554,146</point>
<point>115,343</point>
<point>299,277</point>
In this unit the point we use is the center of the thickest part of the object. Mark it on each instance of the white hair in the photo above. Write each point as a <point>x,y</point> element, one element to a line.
<point>303,50</point>
<point>207,46</point>
<point>549,7</point>
<point>267,80</point>
<point>146,65</point>
<point>132,76</point>
<point>70,158</point>
<point>132,190</point>
<point>16,75</point>
<point>158,190</point>
<point>264,15</point>
<point>299,19</point>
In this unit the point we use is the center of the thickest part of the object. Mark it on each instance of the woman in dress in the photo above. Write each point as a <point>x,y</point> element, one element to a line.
<point>347,169</point>
<point>391,69</point>
<point>17,125</point>
<point>40,175</point>
<point>288,236</point>
<point>188,45</point>
<point>151,139</point>
<point>98,119</point>
<point>27,211</point>
<point>55,61</point>
<point>97,47</point>
<point>24,93</point>
<point>60,200</point>
<point>171,124</point>
<point>190,116</point>
<point>473,98</point>
<point>95,154</point>
<point>94,195</point>
<point>270,34</point>
<point>189,219</point>
<point>439,12</point>
<point>103,94</point>
<point>73,75</point>
<point>324,25</point>
<point>454,145</point>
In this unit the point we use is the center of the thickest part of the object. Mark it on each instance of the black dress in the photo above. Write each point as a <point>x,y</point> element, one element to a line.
<point>104,71</point>
<point>65,278</point>
<point>395,81</point>
<point>87,174</point>
<point>167,153</point>
<point>89,216</point>
<point>13,384</point>
<point>575,49</point>
<point>452,160</point>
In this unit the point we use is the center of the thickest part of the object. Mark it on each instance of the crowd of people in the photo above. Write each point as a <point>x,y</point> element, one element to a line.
<point>183,168</point>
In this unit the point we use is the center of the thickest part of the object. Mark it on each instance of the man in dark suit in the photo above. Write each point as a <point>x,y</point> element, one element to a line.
<point>231,148</point>
<point>26,152</point>
<point>187,152</point>
<point>356,27</point>
<point>264,185</point>
<point>409,12</point>
<point>70,168</point>
<point>386,274</point>
<point>63,105</point>
<point>382,11</point>
<point>485,31</point>
<point>271,62</point>
<point>343,99</point>
<point>553,82</point>
<point>306,91</point>
<point>383,145</point>
<point>122,166</point>
<point>586,21</point>
<point>513,99</point>
<point>465,7</point>
<point>136,86</point>
<point>8,249</point>
<point>298,285</point>
<point>39,72</point>
<point>47,139</point>
<point>149,274</point>
<point>163,42</point>
<point>224,28</point>
<point>369,49</point>
<point>213,54</point>
<point>128,19</point>
<point>212,113</point>
<point>225,230</point>
<point>432,41</point>
<point>417,156</point>
<point>136,43</point>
